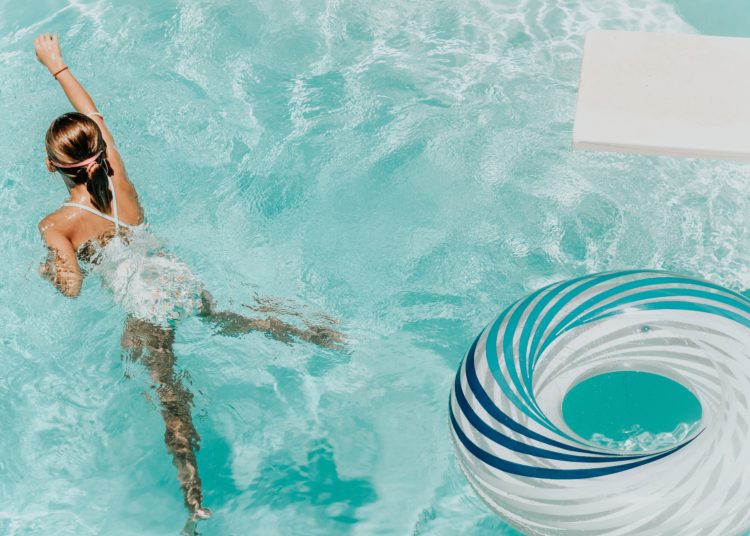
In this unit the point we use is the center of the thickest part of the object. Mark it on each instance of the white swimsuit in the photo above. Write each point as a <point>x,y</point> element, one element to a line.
<point>149,282</point>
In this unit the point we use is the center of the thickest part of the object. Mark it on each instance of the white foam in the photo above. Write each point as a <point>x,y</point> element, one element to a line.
<point>641,440</point>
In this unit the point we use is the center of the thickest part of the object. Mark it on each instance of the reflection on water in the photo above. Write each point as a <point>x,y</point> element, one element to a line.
<point>640,440</point>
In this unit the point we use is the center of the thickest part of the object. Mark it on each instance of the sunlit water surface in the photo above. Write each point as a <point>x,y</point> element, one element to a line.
<point>405,167</point>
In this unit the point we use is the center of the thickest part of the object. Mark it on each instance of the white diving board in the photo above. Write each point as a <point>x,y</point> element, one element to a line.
<point>664,94</point>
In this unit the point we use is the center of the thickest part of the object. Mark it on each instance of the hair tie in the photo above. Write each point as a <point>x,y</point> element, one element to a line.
<point>90,161</point>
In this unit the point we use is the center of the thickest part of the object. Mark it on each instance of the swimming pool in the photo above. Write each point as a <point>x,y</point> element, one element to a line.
<point>404,167</point>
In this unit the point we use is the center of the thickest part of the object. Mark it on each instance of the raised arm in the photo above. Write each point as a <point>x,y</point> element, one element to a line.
<point>48,52</point>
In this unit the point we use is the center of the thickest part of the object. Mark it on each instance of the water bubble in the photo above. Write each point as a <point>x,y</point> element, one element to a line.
<point>640,440</point>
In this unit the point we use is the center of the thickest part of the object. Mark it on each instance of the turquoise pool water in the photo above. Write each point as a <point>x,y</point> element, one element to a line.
<point>632,411</point>
<point>405,167</point>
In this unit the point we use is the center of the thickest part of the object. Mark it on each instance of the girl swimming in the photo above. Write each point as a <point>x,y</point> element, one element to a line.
<point>102,226</point>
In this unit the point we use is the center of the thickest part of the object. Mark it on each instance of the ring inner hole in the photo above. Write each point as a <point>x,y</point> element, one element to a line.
<point>631,411</point>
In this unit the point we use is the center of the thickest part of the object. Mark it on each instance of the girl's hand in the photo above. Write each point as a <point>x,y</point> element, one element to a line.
<point>47,49</point>
<point>46,271</point>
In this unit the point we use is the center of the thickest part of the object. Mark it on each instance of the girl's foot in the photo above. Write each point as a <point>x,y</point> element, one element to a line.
<point>324,337</point>
<point>200,513</point>
<point>194,498</point>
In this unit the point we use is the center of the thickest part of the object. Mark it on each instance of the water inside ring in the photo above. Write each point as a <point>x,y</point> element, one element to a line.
<point>630,410</point>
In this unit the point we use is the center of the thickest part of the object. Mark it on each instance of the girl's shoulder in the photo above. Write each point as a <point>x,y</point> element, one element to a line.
<point>59,219</point>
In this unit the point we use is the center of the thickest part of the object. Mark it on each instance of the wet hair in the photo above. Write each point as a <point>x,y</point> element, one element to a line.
<point>74,137</point>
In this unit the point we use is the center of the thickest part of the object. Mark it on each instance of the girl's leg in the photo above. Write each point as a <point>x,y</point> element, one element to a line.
<point>234,324</point>
<point>152,346</point>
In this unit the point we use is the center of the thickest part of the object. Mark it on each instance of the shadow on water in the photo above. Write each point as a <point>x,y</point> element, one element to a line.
<point>282,482</point>
<point>216,470</point>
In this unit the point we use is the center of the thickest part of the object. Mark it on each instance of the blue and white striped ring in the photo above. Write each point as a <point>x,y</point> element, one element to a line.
<point>523,460</point>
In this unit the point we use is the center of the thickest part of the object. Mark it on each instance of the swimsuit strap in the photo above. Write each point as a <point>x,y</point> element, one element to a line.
<point>92,210</point>
<point>114,219</point>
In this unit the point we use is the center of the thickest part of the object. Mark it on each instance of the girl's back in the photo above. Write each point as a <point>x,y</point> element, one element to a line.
<point>75,223</point>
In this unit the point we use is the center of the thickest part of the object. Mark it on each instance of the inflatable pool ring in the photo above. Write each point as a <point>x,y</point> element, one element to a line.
<point>524,461</point>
